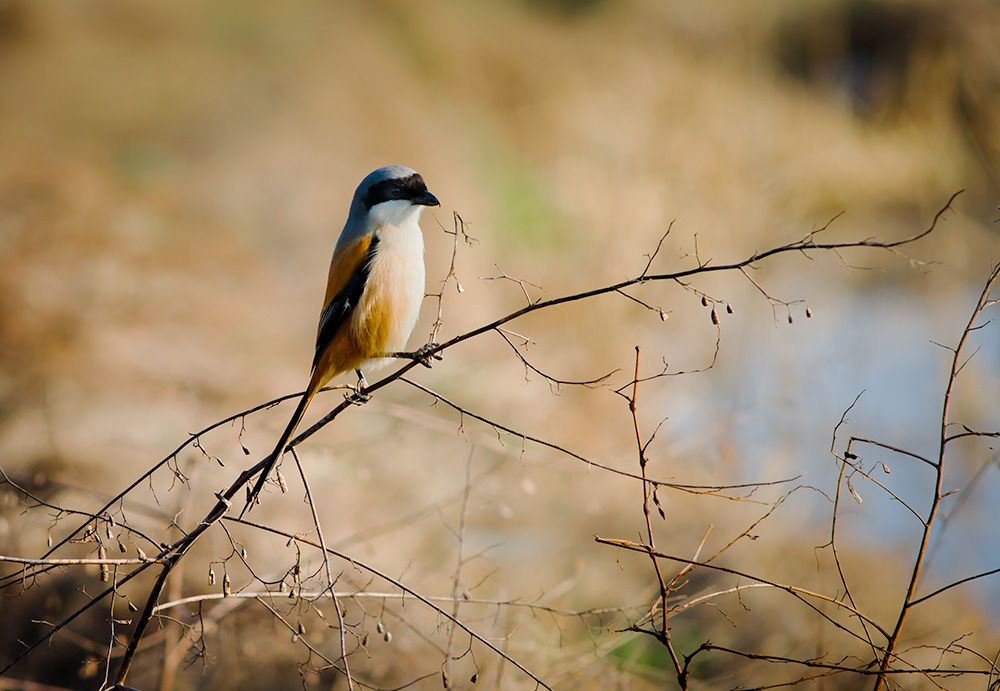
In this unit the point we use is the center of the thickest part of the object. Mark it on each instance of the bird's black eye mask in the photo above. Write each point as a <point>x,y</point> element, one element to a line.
<point>410,188</point>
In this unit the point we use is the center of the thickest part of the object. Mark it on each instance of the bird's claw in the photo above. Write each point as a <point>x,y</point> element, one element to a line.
<point>358,398</point>
<point>422,356</point>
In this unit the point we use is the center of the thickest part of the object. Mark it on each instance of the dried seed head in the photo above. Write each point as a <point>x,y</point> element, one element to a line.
<point>474,678</point>
<point>729,308</point>
<point>663,315</point>
<point>809,313</point>
<point>704,301</point>
<point>121,547</point>
<point>302,629</point>
<point>790,320</point>
<point>227,589</point>
<point>378,627</point>
<point>387,637</point>
<point>105,573</point>
<point>445,681</point>
<point>142,555</point>
<point>211,576</point>
<point>281,483</point>
<point>715,316</point>
<point>459,286</point>
<point>854,492</point>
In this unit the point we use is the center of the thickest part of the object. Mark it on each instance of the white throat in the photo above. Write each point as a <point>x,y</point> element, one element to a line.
<point>395,212</point>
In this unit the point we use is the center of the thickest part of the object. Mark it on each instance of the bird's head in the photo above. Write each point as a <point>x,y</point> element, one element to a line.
<point>392,196</point>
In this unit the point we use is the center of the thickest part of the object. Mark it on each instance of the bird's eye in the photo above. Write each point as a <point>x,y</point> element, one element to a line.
<point>396,191</point>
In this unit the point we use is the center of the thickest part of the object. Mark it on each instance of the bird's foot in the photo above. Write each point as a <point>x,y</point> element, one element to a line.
<point>421,355</point>
<point>358,396</point>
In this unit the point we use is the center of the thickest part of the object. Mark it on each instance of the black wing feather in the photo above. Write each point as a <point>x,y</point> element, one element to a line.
<point>339,310</point>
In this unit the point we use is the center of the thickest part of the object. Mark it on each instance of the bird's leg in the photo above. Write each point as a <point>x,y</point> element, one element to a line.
<point>420,354</point>
<point>359,397</point>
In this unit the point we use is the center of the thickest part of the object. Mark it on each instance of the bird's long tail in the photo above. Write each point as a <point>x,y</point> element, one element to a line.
<point>279,448</point>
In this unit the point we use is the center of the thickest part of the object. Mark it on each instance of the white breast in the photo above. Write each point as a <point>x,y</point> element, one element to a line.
<point>395,285</point>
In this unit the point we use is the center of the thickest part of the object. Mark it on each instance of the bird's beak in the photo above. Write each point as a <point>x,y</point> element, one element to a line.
<point>427,199</point>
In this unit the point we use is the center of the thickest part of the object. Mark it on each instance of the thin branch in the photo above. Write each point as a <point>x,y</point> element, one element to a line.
<point>399,584</point>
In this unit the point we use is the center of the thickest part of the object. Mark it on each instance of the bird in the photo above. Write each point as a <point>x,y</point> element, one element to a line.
<point>373,291</point>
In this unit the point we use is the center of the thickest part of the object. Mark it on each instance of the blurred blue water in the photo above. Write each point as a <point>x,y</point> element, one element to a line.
<point>779,390</point>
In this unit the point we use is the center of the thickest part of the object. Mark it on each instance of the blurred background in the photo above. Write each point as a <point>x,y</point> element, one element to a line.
<point>174,175</point>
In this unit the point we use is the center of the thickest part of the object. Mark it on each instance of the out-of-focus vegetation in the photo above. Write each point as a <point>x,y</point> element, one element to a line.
<point>173,177</point>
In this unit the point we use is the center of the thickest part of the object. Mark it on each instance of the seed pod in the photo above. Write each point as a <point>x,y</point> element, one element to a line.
<point>474,678</point>
<point>105,573</point>
<point>445,682</point>
<point>704,301</point>
<point>790,320</point>
<point>387,637</point>
<point>715,317</point>
<point>729,308</point>
<point>226,587</point>
<point>281,483</point>
<point>854,492</point>
<point>211,576</point>
<point>809,313</point>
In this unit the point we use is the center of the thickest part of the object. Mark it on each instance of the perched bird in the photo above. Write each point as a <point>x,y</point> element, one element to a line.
<point>374,290</point>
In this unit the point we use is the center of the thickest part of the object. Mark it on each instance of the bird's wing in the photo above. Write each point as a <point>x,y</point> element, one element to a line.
<point>348,274</point>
